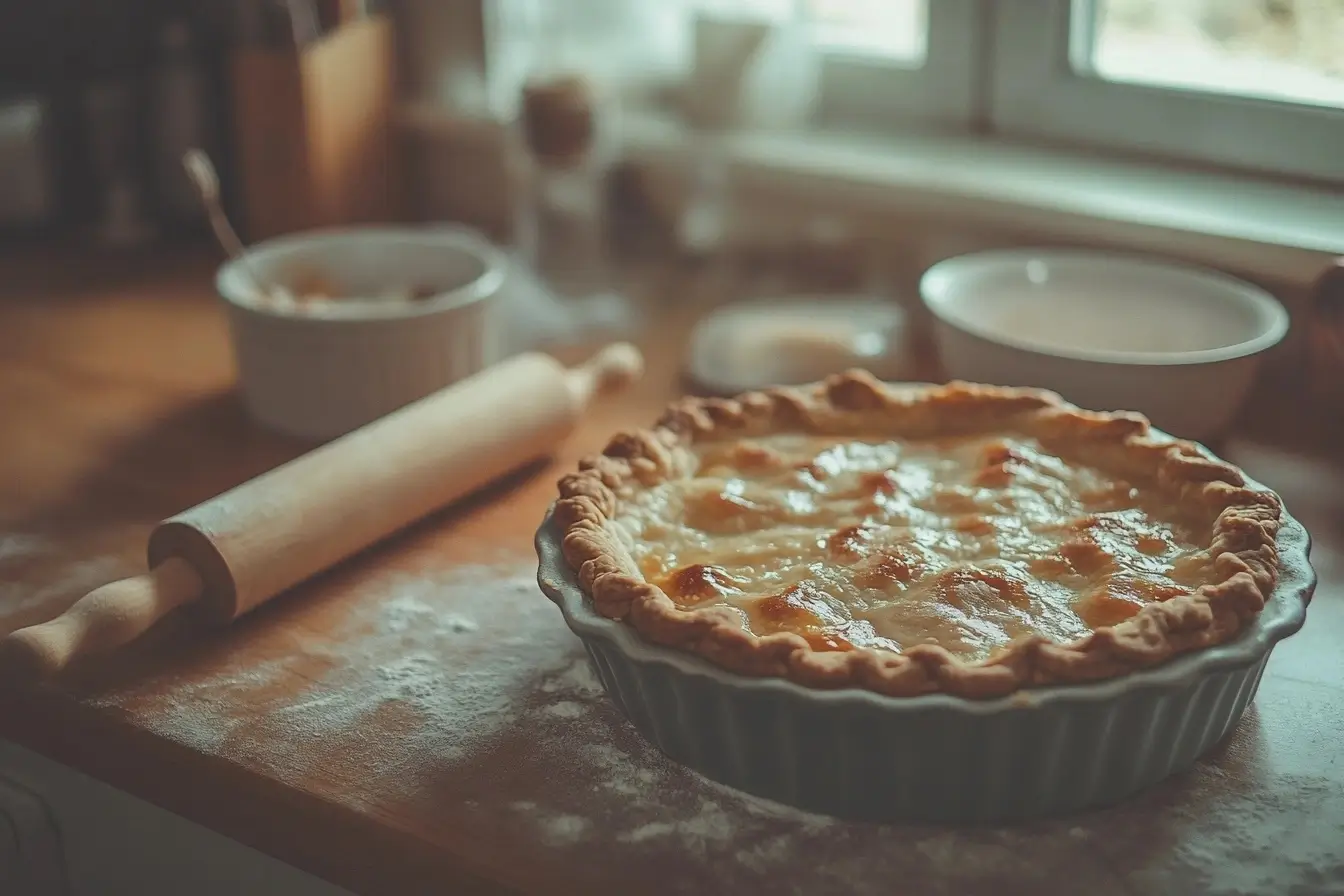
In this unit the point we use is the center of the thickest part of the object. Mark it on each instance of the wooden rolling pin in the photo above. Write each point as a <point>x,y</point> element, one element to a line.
<point>238,550</point>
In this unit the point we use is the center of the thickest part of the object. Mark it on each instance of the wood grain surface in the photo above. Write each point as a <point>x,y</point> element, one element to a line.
<point>419,720</point>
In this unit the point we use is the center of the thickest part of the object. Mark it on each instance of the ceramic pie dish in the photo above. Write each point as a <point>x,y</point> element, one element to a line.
<point>940,603</point>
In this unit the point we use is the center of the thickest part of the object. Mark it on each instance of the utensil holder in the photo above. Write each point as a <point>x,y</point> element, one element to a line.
<point>313,131</point>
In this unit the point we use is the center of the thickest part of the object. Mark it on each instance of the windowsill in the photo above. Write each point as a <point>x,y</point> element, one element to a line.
<point>1281,233</point>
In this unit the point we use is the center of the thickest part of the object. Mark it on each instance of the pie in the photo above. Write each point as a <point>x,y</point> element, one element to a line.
<point>969,539</point>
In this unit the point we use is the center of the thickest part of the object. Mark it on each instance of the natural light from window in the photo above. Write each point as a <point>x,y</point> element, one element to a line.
<point>1287,50</point>
<point>896,30</point>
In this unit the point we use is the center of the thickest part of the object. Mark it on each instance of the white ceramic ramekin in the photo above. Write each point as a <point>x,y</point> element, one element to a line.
<point>1179,344</point>
<point>319,370</point>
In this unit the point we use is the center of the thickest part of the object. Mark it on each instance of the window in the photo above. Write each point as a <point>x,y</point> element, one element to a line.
<point>1272,49</point>
<point>881,61</point>
<point>896,30</point>
<point>1248,84</point>
<point>1245,83</point>
<point>884,63</point>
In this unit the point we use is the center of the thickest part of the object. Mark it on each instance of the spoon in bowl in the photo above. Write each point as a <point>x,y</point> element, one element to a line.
<point>206,180</point>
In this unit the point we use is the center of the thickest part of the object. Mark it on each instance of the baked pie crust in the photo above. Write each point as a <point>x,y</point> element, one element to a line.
<point>967,539</point>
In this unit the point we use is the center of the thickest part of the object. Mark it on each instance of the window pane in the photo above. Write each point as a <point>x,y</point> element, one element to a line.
<point>1290,50</point>
<point>893,29</point>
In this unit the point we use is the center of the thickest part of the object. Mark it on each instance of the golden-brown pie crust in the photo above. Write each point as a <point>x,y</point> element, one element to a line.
<point>1243,552</point>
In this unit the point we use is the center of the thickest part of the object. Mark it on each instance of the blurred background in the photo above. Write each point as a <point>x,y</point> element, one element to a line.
<point>97,100</point>
<point>774,148</point>
<point>400,193</point>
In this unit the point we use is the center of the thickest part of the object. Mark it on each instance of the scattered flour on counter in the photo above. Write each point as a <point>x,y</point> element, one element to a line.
<point>567,828</point>
<point>428,652</point>
<point>199,715</point>
<point>18,545</point>
<point>709,824</point>
<point>416,678</point>
<point>1224,839</point>
<point>1258,841</point>
<point>565,709</point>
<point>412,607</point>
<point>577,677</point>
<point>763,808</point>
<point>620,774</point>
<point>768,854</point>
<point>432,648</point>
<point>428,644</point>
<point>556,830</point>
<point>75,579</point>
<point>646,831</point>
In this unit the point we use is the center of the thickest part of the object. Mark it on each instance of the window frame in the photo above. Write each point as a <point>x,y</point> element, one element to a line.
<point>1267,228</point>
<point>1037,92</point>
<point>1005,69</point>
<point>858,90</point>
<point>866,92</point>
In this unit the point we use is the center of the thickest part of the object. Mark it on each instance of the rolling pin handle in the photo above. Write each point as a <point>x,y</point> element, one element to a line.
<point>105,618</point>
<point>610,370</point>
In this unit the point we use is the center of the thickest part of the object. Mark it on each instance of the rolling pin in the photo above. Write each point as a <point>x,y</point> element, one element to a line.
<point>234,552</point>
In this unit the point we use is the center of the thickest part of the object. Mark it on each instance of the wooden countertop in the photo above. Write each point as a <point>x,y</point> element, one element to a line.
<point>419,720</point>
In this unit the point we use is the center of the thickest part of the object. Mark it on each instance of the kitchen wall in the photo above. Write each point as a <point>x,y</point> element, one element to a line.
<point>59,51</point>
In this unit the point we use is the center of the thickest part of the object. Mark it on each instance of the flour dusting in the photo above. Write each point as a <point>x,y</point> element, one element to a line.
<point>464,695</point>
<point>416,644</point>
<point>556,830</point>
<point>709,824</point>
<point>198,715</point>
<point>1289,839</point>
<point>17,545</point>
<point>565,710</point>
<point>74,580</point>
<point>577,677</point>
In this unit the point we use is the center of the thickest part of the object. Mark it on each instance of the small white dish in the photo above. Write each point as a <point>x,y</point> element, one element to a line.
<point>1107,331</point>
<point>317,369</point>
<point>790,341</point>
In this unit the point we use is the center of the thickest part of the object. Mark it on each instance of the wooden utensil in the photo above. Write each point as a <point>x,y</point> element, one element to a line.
<point>1325,336</point>
<point>238,550</point>
<point>202,173</point>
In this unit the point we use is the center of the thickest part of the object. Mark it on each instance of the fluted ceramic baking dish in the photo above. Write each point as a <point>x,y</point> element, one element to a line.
<point>935,758</point>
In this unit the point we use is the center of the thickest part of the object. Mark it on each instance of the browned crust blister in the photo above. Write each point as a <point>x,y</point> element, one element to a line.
<point>1243,546</point>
